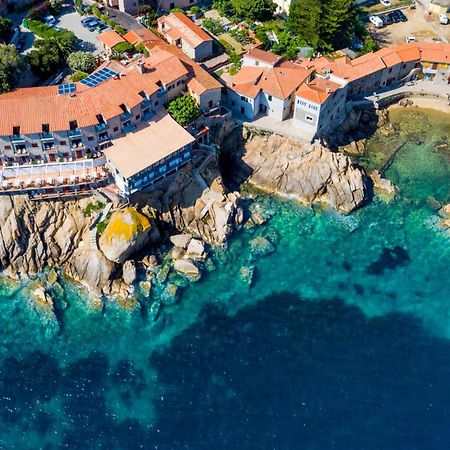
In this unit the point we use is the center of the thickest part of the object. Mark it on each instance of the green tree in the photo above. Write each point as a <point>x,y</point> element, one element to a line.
<point>324,24</point>
<point>45,58</point>
<point>55,5</point>
<point>287,45</point>
<point>82,61</point>
<point>304,20</point>
<point>254,9</point>
<point>224,7</point>
<point>5,28</point>
<point>184,110</point>
<point>10,67</point>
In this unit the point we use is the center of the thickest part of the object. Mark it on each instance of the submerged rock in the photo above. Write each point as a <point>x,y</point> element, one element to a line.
<point>261,246</point>
<point>196,249</point>
<point>383,185</point>
<point>169,295</point>
<point>154,311</point>
<point>246,274</point>
<point>145,287</point>
<point>44,308</point>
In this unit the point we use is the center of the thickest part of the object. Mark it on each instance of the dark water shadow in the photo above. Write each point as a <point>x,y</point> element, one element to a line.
<point>282,374</point>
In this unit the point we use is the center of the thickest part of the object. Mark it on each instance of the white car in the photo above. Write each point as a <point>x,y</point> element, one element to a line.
<point>443,18</point>
<point>376,21</point>
<point>410,39</point>
<point>385,2</point>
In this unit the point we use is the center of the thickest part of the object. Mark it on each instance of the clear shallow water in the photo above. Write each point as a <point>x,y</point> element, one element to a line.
<point>342,342</point>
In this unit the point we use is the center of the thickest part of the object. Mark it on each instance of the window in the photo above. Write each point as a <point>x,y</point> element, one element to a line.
<point>34,145</point>
<point>73,125</point>
<point>256,63</point>
<point>233,103</point>
<point>270,98</point>
<point>172,5</point>
<point>390,70</point>
<point>63,143</point>
<point>309,118</point>
<point>7,147</point>
<point>16,130</point>
<point>138,116</point>
<point>157,103</point>
<point>45,128</point>
<point>210,104</point>
<point>90,138</point>
<point>116,129</point>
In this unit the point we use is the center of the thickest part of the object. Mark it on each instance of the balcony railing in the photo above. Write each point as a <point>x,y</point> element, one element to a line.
<point>104,138</point>
<point>17,139</point>
<point>47,146</point>
<point>101,127</point>
<point>75,133</point>
<point>146,103</point>
<point>161,92</point>
<point>128,128</point>
<point>126,116</point>
<point>47,137</point>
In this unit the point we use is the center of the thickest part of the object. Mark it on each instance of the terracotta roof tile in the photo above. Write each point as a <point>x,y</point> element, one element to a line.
<point>58,110</point>
<point>142,36</point>
<point>177,25</point>
<point>263,56</point>
<point>110,38</point>
<point>318,90</point>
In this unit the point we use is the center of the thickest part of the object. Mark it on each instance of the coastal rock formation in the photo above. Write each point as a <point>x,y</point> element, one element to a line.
<point>308,173</point>
<point>127,231</point>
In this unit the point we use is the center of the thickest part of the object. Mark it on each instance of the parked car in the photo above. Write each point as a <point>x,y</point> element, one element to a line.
<point>376,21</point>
<point>443,18</point>
<point>386,20</point>
<point>101,27</point>
<point>385,2</point>
<point>50,21</point>
<point>86,20</point>
<point>394,17</point>
<point>402,15</point>
<point>91,26</point>
<point>410,39</point>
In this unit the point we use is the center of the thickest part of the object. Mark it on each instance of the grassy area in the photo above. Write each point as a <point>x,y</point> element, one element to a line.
<point>91,207</point>
<point>377,8</point>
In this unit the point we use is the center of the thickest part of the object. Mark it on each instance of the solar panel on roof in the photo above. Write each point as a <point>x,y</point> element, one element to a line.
<point>98,77</point>
<point>66,88</point>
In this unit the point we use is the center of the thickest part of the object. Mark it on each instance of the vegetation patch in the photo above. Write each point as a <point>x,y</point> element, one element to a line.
<point>184,110</point>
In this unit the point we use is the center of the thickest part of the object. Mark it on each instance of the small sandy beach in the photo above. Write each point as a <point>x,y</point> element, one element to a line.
<point>437,104</point>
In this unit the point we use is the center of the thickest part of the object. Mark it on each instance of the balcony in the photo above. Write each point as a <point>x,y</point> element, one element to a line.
<point>103,137</point>
<point>75,133</point>
<point>49,147</point>
<point>161,92</point>
<point>146,103</point>
<point>128,127</point>
<point>21,150</point>
<point>101,127</point>
<point>47,137</point>
<point>126,116</point>
<point>76,143</point>
<point>17,139</point>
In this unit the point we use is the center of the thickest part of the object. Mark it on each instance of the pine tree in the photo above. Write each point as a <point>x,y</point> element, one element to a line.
<point>304,21</point>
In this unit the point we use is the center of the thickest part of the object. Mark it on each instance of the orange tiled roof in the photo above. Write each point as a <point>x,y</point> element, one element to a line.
<point>164,66</point>
<point>110,38</point>
<point>318,90</point>
<point>202,77</point>
<point>142,36</point>
<point>177,26</point>
<point>279,81</point>
<point>58,110</point>
<point>262,55</point>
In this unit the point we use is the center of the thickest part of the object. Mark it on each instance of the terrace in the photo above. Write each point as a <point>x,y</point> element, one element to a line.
<point>62,178</point>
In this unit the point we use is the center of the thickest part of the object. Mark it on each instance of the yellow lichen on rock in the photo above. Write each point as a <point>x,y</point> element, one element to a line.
<point>126,232</point>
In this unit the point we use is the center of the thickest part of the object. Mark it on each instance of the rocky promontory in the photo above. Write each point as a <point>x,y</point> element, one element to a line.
<point>308,173</point>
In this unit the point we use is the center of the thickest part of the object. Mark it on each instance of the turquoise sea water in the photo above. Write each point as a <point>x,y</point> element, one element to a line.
<point>341,342</point>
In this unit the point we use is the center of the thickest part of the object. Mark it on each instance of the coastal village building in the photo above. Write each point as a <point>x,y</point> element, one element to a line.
<point>110,39</point>
<point>265,85</point>
<point>179,30</point>
<point>128,6</point>
<point>114,118</point>
<point>168,5</point>
<point>328,83</point>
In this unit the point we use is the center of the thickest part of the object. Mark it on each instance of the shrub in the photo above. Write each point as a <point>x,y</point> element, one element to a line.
<point>78,76</point>
<point>184,110</point>
<point>229,49</point>
<point>123,47</point>
<point>83,61</point>
<point>91,207</point>
<point>10,67</point>
<point>120,30</point>
<point>213,25</point>
<point>45,58</point>
<point>241,36</point>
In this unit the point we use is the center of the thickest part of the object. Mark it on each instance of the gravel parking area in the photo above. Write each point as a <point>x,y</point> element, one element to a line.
<point>420,25</point>
<point>71,20</point>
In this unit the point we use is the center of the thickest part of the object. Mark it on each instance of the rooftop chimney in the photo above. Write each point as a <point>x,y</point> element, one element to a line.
<point>141,67</point>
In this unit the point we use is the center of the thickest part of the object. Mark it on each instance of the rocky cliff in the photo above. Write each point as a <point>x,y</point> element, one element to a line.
<point>65,235</point>
<point>290,168</point>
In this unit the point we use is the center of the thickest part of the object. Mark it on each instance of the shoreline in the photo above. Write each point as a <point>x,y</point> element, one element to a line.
<point>439,105</point>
